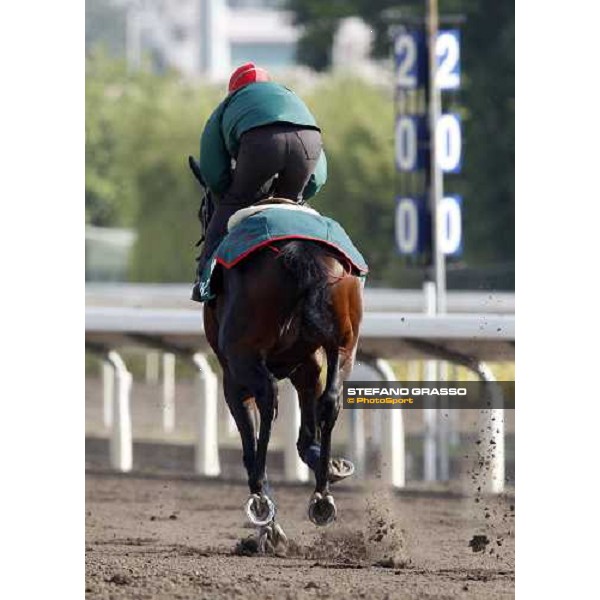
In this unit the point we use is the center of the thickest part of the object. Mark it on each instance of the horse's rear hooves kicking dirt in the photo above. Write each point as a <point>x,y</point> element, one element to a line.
<point>322,510</point>
<point>340,469</point>
<point>272,540</point>
<point>260,510</point>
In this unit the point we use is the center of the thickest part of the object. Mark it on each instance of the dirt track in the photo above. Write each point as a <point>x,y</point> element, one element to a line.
<point>166,538</point>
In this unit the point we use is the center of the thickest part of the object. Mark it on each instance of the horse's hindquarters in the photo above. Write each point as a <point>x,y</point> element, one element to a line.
<point>347,309</point>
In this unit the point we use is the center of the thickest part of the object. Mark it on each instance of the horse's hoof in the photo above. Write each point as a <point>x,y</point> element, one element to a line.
<point>322,510</point>
<point>264,544</point>
<point>339,468</point>
<point>272,540</point>
<point>260,510</point>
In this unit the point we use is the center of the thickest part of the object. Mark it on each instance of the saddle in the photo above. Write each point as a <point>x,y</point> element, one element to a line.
<point>282,203</point>
<point>254,227</point>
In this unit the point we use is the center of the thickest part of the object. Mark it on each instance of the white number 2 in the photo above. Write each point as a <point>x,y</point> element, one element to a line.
<point>406,54</point>
<point>447,51</point>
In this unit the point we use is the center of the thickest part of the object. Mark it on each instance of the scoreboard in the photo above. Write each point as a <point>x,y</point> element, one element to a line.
<point>413,142</point>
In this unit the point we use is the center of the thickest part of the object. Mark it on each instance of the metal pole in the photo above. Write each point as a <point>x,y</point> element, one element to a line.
<point>358,441</point>
<point>443,427</point>
<point>393,468</point>
<point>294,468</point>
<point>121,442</point>
<point>430,449</point>
<point>231,425</point>
<point>436,184</point>
<point>490,449</point>
<point>454,422</point>
<point>168,403</point>
<point>108,391</point>
<point>206,461</point>
<point>376,429</point>
<point>152,367</point>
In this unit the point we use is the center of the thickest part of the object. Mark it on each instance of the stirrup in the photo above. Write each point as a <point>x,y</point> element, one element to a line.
<point>196,293</point>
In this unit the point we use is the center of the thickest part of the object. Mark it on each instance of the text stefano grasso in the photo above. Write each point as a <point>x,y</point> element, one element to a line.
<point>392,391</point>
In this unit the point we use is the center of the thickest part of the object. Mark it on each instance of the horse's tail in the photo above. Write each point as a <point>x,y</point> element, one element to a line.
<point>303,260</point>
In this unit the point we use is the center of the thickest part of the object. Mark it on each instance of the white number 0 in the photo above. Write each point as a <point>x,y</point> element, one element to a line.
<point>449,143</point>
<point>406,144</point>
<point>407,226</point>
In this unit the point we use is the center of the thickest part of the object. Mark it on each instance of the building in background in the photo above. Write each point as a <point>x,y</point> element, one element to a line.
<point>209,38</point>
<point>351,52</point>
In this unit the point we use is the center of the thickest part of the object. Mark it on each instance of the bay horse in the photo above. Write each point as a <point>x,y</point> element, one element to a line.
<point>275,315</point>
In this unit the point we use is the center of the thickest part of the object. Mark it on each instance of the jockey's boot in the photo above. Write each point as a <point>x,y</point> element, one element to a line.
<point>196,291</point>
<point>216,231</point>
<point>200,267</point>
<point>204,255</point>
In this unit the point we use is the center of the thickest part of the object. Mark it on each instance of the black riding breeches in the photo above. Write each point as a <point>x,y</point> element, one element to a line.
<point>282,149</point>
<point>289,151</point>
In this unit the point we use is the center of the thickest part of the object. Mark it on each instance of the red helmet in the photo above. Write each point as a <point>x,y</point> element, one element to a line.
<point>248,73</point>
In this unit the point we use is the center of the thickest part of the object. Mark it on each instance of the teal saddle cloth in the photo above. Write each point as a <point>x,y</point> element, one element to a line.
<point>273,224</point>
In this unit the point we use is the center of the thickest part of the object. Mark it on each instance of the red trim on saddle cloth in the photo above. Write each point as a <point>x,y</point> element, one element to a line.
<point>267,243</point>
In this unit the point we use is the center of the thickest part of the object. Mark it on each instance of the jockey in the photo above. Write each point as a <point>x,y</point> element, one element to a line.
<point>276,145</point>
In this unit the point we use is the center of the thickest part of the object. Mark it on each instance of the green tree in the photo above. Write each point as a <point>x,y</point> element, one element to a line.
<point>108,198</point>
<point>488,59</point>
<point>163,128</point>
<point>140,128</point>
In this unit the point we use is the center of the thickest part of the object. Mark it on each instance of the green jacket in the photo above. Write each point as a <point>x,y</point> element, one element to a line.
<point>252,106</point>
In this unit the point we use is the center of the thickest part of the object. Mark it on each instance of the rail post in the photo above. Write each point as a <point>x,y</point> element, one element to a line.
<point>357,441</point>
<point>152,367</point>
<point>121,442</point>
<point>430,414</point>
<point>294,469</point>
<point>168,397</point>
<point>108,392</point>
<point>206,457</point>
<point>490,449</point>
<point>392,435</point>
<point>443,428</point>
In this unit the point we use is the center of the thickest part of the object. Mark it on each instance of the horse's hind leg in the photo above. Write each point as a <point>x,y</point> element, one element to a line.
<point>328,408</point>
<point>322,509</point>
<point>306,380</point>
<point>347,312</point>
